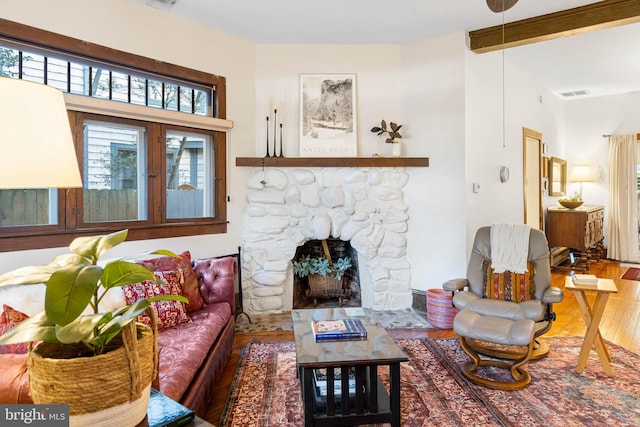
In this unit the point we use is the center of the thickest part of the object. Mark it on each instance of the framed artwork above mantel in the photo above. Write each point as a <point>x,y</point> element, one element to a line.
<point>328,115</point>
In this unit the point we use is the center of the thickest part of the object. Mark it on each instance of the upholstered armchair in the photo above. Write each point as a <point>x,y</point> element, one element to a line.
<point>469,292</point>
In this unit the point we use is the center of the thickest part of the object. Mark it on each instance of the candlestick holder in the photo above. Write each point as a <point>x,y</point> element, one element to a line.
<point>281,155</point>
<point>275,130</point>
<point>268,153</point>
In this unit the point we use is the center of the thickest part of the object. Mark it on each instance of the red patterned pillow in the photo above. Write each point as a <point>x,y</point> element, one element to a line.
<point>190,287</point>
<point>508,286</point>
<point>9,318</point>
<point>168,313</point>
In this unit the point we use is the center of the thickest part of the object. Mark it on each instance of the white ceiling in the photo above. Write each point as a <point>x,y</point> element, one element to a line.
<point>603,62</point>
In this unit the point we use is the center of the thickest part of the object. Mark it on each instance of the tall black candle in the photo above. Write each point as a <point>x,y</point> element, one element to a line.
<point>275,130</point>
<point>281,155</point>
<point>268,155</point>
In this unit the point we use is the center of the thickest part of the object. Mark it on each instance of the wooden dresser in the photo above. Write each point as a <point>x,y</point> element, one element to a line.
<point>580,230</point>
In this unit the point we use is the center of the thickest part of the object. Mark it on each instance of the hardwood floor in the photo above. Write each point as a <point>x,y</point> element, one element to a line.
<point>620,324</point>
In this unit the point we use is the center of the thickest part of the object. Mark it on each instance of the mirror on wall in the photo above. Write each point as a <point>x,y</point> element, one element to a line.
<point>557,177</point>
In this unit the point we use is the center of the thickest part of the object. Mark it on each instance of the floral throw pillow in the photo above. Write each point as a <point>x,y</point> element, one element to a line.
<point>9,318</point>
<point>168,313</point>
<point>508,286</point>
<point>190,286</point>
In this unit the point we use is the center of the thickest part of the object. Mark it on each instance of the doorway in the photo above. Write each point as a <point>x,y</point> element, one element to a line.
<point>532,177</point>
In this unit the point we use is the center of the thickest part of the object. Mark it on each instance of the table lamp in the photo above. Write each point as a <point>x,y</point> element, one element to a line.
<point>35,136</point>
<point>581,173</point>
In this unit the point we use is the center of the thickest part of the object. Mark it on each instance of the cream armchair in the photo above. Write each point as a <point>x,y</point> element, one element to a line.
<point>468,292</point>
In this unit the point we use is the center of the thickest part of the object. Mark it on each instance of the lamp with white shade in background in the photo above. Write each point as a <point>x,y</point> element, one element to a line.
<point>581,173</point>
<point>35,136</point>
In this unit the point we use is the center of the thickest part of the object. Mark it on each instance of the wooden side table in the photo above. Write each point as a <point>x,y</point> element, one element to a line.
<point>592,316</point>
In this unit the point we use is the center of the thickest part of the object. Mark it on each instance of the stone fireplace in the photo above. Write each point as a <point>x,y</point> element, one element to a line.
<point>290,206</point>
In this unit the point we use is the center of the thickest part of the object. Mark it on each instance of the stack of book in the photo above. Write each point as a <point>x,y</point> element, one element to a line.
<point>585,280</point>
<point>320,379</point>
<point>338,330</point>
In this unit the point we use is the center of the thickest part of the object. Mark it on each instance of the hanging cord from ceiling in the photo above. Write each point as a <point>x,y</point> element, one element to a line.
<point>504,126</point>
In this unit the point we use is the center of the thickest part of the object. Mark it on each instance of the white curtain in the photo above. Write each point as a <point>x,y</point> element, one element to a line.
<point>623,199</point>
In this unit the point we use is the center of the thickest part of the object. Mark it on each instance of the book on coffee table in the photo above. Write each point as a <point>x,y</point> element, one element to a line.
<point>331,330</point>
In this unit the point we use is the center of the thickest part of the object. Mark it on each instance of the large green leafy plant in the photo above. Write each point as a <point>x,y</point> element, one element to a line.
<point>75,282</point>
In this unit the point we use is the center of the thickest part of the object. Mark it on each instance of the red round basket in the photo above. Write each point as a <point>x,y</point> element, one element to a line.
<point>440,311</point>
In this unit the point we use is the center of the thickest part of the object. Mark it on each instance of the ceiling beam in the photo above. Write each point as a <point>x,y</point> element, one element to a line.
<point>596,16</point>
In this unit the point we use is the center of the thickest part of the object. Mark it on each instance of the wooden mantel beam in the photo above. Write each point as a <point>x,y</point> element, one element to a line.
<point>596,16</point>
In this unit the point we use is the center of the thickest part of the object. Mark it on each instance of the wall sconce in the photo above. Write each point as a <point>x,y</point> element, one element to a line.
<point>35,136</point>
<point>581,173</point>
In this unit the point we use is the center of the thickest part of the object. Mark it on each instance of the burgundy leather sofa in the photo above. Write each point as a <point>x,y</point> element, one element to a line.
<point>192,355</point>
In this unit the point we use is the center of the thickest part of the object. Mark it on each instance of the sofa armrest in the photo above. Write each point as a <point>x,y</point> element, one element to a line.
<point>217,278</point>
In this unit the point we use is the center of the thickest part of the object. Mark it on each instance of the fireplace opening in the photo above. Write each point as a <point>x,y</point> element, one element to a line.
<point>325,292</point>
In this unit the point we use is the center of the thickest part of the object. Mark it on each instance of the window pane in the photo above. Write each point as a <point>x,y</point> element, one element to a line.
<point>201,103</point>
<point>171,97</point>
<point>120,87</point>
<point>189,175</point>
<point>57,73</point>
<point>115,185</point>
<point>33,67</point>
<point>155,94</point>
<point>100,83</point>
<point>138,90</point>
<point>28,207</point>
<point>9,62</point>
<point>185,99</point>
<point>79,79</point>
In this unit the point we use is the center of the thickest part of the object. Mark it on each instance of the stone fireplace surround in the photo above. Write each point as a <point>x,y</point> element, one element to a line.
<point>289,206</point>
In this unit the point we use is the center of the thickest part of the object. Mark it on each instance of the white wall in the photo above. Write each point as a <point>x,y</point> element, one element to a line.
<point>433,110</point>
<point>133,27</point>
<point>587,120</point>
<point>490,145</point>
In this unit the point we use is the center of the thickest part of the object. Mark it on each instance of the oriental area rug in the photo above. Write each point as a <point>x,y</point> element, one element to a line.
<point>631,274</point>
<point>266,392</point>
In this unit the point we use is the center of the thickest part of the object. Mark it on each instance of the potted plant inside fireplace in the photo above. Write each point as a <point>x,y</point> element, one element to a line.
<point>325,277</point>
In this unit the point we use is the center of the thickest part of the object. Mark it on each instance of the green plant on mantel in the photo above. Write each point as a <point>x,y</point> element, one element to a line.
<point>321,265</point>
<point>75,282</point>
<point>392,132</point>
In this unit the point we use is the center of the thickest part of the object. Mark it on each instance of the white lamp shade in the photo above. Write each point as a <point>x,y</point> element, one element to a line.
<point>581,173</point>
<point>35,136</point>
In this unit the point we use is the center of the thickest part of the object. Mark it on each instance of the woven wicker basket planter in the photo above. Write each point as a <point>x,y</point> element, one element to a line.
<point>326,287</point>
<point>111,389</point>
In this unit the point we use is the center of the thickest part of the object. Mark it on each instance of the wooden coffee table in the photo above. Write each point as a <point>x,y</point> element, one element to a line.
<point>370,403</point>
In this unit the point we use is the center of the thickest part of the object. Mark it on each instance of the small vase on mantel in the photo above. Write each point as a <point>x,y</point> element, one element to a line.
<point>396,147</point>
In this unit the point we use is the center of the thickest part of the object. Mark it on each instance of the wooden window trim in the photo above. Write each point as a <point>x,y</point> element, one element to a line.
<point>39,237</point>
<point>72,46</point>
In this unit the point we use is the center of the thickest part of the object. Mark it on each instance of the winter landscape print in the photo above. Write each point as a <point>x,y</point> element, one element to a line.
<point>327,115</point>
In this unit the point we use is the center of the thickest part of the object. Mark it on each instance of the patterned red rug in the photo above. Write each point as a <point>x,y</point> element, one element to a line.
<point>632,274</point>
<point>266,392</point>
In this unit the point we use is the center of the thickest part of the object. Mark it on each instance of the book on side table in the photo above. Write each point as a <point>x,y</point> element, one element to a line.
<point>585,280</point>
<point>332,330</point>
<point>166,412</point>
